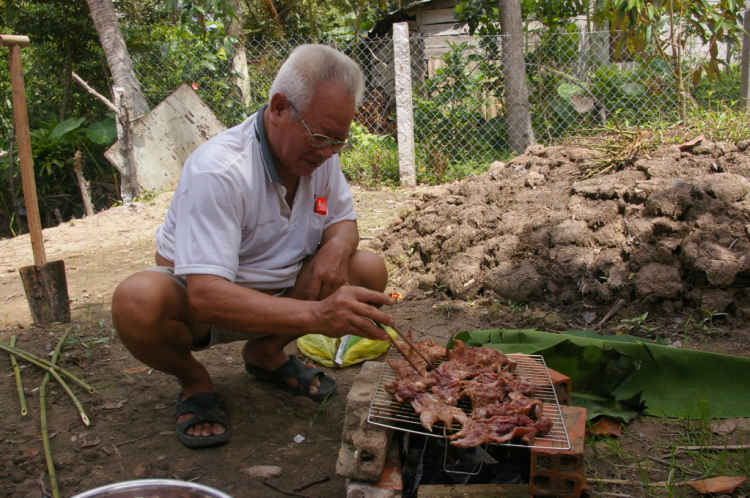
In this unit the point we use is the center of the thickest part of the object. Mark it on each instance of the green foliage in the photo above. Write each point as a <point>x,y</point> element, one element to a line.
<point>652,29</point>
<point>455,139</point>
<point>373,160</point>
<point>53,147</point>
<point>669,381</point>
<point>63,40</point>
<point>723,92</point>
<point>483,16</point>
<point>637,325</point>
<point>722,124</point>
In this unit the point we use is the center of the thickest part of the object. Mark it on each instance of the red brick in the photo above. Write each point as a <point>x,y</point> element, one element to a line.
<point>560,473</point>
<point>391,477</point>
<point>561,383</point>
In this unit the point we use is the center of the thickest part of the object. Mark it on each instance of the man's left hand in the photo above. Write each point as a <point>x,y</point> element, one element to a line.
<point>328,270</point>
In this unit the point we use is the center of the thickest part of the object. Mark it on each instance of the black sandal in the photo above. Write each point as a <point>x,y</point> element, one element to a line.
<point>296,368</point>
<point>205,407</point>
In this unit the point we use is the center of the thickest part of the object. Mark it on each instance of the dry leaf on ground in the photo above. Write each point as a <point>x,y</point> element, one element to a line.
<point>606,426</point>
<point>721,484</point>
<point>724,428</point>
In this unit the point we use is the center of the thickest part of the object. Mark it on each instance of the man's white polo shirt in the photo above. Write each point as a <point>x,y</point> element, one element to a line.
<point>228,216</point>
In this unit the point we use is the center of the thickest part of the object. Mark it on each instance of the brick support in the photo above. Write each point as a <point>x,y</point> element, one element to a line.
<point>364,446</point>
<point>561,473</point>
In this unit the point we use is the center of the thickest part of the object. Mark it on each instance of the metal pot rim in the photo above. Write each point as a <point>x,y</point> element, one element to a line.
<point>109,490</point>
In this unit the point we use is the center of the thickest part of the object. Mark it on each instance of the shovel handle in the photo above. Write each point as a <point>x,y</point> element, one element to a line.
<point>23,138</point>
<point>10,40</point>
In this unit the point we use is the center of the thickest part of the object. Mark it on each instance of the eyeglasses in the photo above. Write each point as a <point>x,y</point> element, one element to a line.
<point>320,141</point>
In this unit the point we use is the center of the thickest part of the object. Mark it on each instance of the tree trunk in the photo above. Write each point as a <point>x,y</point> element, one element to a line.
<point>83,184</point>
<point>240,76</point>
<point>105,19</point>
<point>517,112</point>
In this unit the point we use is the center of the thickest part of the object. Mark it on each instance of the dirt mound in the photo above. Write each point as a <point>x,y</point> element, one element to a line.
<point>670,229</point>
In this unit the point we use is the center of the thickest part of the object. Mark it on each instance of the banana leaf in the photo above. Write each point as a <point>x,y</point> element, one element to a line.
<point>663,381</point>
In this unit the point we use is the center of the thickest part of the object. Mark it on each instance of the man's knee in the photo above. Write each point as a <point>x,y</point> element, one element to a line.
<point>367,269</point>
<point>139,303</point>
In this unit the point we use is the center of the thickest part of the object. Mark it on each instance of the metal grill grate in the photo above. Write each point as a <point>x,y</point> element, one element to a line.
<point>387,412</point>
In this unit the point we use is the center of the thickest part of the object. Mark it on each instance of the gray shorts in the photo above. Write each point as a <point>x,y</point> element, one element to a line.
<point>217,335</point>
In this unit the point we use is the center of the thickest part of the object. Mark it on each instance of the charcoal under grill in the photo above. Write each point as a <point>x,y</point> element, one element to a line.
<point>385,411</point>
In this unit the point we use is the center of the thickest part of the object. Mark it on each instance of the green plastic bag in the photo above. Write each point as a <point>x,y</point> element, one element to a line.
<point>355,349</point>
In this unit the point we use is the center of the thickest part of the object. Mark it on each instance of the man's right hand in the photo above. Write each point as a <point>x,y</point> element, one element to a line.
<point>352,310</point>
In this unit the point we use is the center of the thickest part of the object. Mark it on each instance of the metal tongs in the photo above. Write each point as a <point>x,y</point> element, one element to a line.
<point>406,339</point>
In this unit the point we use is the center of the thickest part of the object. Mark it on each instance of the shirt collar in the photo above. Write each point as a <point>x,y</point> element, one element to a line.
<point>265,151</point>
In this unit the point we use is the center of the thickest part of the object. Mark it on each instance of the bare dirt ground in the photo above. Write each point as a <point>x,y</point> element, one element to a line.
<point>529,244</point>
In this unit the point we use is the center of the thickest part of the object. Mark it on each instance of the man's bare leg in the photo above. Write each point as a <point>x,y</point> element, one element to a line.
<point>151,315</point>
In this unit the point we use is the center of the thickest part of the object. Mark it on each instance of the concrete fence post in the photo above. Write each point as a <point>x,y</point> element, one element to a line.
<point>745,61</point>
<point>404,113</point>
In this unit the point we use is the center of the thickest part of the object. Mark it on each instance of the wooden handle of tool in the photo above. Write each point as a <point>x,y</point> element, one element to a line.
<point>24,154</point>
<point>10,40</point>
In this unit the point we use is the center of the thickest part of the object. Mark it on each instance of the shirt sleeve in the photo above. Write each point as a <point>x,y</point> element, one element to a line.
<point>208,229</point>
<point>340,203</point>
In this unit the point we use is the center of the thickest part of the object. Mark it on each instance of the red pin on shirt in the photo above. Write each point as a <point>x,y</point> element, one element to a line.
<point>321,207</point>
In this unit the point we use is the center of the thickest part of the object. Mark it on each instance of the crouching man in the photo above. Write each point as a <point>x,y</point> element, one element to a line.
<point>259,245</point>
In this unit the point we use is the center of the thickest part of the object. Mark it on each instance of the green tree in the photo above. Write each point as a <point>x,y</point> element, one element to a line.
<point>483,16</point>
<point>658,29</point>
<point>63,40</point>
<point>118,58</point>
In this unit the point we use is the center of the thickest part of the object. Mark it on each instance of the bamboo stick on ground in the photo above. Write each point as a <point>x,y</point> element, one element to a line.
<point>72,396</point>
<point>45,365</point>
<point>43,411</point>
<point>19,384</point>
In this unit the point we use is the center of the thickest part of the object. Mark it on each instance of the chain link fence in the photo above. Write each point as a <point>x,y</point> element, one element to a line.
<point>578,83</point>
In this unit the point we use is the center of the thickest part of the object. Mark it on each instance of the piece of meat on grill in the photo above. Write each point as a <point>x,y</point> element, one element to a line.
<point>429,348</point>
<point>452,371</point>
<point>448,391</point>
<point>520,387</point>
<point>484,355</point>
<point>405,390</point>
<point>404,370</point>
<point>485,393</point>
<point>519,406</point>
<point>499,429</point>
<point>431,410</point>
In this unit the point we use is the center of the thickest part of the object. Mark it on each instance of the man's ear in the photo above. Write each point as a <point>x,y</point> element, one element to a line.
<point>278,107</point>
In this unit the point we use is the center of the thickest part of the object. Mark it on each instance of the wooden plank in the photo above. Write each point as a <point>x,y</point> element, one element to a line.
<point>431,30</point>
<point>442,4</point>
<point>435,16</point>
<point>440,41</point>
<point>474,491</point>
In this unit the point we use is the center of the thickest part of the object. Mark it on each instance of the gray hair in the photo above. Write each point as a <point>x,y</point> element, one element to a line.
<point>310,65</point>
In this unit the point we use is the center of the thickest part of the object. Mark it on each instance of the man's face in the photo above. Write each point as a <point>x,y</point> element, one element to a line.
<point>330,113</point>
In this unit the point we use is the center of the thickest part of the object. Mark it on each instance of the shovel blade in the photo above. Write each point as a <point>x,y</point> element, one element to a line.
<point>46,290</point>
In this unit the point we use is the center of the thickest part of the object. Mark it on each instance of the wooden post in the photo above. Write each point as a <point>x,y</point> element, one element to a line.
<point>745,61</point>
<point>404,113</point>
<point>83,184</point>
<point>129,187</point>
<point>23,139</point>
